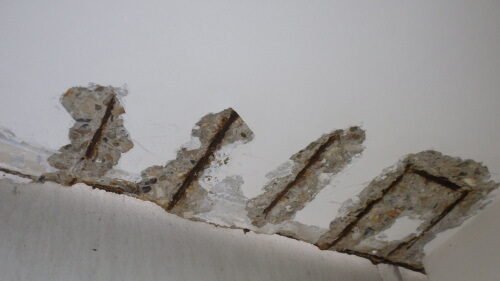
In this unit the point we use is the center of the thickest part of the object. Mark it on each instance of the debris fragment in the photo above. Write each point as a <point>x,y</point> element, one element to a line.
<point>98,136</point>
<point>176,186</point>
<point>306,174</point>
<point>434,192</point>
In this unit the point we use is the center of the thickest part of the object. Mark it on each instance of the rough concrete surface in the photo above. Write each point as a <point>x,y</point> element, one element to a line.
<point>176,186</point>
<point>297,182</point>
<point>437,191</point>
<point>98,136</point>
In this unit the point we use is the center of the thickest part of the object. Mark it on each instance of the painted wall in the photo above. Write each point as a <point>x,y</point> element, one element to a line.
<point>51,233</point>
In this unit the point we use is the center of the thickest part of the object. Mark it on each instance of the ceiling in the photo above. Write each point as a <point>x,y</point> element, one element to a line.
<point>415,76</point>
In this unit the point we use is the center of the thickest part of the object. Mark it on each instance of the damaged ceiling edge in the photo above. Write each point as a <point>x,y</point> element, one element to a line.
<point>430,191</point>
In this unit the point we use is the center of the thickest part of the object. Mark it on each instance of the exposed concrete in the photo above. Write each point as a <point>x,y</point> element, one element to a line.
<point>98,136</point>
<point>176,186</point>
<point>205,196</point>
<point>29,161</point>
<point>394,218</point>
<point>437,190</point>
<point>297,182</point>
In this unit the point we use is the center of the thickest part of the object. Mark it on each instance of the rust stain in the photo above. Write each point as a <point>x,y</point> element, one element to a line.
<point>439,180</point>
<point>91,151</point>
<point>202,163</point>
<point>362,214</point>
<point>302,173</point>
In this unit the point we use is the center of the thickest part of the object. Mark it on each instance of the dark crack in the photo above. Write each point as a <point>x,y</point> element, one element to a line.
<point>91,151</point>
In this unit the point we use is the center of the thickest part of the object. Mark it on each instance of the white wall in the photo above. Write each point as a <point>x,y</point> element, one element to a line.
<point>50,233</point>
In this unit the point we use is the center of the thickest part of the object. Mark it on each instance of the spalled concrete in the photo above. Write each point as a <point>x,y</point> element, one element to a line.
<point>396,215</point>
<point>98,136</point>
<point>297,182</point>
<point>176,186</point>
<point>436,192</point>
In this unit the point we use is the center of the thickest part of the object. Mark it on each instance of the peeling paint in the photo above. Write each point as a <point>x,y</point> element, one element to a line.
<point>227,204</point>
<point>20,156</point>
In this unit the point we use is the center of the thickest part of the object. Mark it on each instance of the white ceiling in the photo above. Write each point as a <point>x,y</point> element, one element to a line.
<point>415,74</point>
